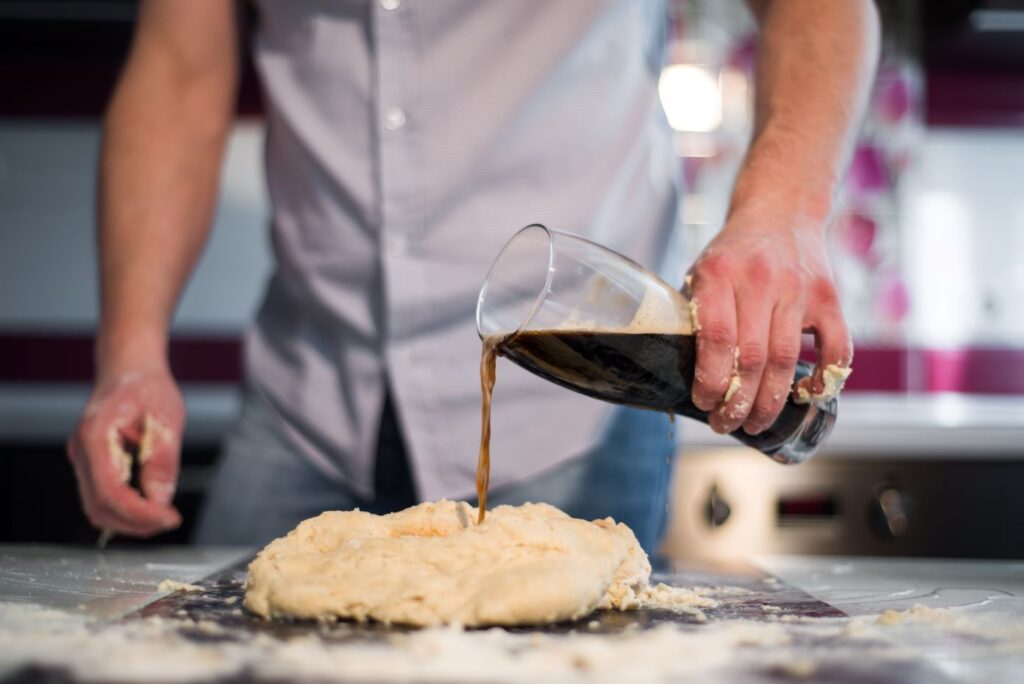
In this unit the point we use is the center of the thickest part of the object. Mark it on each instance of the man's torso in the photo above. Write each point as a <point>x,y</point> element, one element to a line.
<point>407,141</point>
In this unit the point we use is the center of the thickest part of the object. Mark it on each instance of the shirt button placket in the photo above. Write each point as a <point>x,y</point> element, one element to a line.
<point>393,117</point>
<point>394,90</point>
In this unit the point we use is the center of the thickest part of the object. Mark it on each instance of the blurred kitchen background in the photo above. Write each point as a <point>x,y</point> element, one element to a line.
<point>928,245</point>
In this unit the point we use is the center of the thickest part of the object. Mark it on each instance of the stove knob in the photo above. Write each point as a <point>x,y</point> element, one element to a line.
<point>889,512</point>
<point>716,509</point>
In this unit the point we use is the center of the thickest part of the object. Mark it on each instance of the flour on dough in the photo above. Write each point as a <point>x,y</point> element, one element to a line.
<point>432,564</point>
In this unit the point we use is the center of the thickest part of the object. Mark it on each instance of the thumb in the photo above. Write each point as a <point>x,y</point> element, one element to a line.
<point>159,456</point>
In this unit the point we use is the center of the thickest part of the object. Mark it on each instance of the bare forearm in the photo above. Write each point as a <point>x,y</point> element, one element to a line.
<point>765,278</point>
<point>163,141</point>
<point>814,71</point>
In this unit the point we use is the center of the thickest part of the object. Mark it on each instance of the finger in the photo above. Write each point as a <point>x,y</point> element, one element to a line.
<point>831,336</point>
<point>715,309</point>
<point>780,367</point>
<point>96,510</point>
<point>115,500</point>
<point>82,477</point>
<point>835,356</point>
<point>123,513</point>
<point>159,456</point>
<point>754,323</point>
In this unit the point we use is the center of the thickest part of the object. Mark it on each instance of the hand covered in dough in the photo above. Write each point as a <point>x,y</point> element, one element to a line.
<point>755,288</point>
<point>135,410</point>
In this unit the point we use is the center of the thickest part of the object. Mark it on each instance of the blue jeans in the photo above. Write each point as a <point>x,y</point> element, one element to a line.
<point>264,487</point>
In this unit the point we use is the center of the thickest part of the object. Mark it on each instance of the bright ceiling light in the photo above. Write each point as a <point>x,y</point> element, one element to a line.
<point>691,97</point>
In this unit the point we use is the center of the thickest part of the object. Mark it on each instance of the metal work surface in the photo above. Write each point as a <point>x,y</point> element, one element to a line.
<point>107,583</point>
<point>868,586</point>
<point>780,619</point>
<point>746,592</point>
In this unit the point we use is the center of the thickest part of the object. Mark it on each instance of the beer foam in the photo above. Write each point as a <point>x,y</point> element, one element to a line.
<point>662,311</point>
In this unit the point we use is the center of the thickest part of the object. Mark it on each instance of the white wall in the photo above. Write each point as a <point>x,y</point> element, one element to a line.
<point>963,208</point>
<point>47,255</point>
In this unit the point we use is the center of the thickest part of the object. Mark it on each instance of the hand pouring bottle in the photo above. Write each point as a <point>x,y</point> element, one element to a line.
<point>589,319</point>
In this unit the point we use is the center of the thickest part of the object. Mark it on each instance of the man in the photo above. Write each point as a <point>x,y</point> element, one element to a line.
<point>407,140</point>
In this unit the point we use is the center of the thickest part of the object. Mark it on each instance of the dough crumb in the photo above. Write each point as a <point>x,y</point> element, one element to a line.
<point>208,627</point>
<point>153,431</point>
<point>919,613</point>
<point>796,669</point>
<point>175,587</point>
<point>694,320</point>
<point>121,459</point>
<point>734,380</point>
<point>834,377</point>
<point>664,597</point>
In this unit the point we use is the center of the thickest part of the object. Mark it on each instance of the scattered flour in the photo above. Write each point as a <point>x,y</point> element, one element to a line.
<point>162,650</point>
<point>1009,634</point>
<point>159,650</point>
<point>919,613</point>
<point>676,599</point>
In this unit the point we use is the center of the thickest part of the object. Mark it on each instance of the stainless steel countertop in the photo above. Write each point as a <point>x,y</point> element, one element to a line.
<point>118,580</point>
<point>111,583</point>
<point>108,583</point>
<point>868,586</point>
<point>977,591</point>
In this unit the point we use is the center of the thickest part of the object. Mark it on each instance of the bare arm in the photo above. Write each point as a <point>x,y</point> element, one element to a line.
<point>814,70</point>
<point>766,277</point>
<point>163,140</point>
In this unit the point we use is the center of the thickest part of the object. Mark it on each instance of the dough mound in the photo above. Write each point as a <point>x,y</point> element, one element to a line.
<point>432,564</point>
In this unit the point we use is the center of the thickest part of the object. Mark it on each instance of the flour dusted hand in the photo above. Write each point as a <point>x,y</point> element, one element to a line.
<point>433,564</point>
<point>140,411</point>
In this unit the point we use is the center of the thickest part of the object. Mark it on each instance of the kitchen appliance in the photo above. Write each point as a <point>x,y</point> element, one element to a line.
<point>918,475</point>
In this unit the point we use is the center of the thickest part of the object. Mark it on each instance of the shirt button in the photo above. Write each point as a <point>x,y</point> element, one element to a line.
<point>398,245</point>
<point>394,118</point>
<point>390,4</point>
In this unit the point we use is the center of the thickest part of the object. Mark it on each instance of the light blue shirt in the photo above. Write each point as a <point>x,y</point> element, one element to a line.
<point>407,141</point>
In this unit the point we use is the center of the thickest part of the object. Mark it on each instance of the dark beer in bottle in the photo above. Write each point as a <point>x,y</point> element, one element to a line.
<point>647,370</point>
